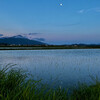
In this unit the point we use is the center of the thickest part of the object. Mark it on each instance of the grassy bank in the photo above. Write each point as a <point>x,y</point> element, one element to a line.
<point>15,84</point>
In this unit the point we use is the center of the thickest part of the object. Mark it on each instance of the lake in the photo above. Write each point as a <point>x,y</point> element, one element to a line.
<point>61,67</point>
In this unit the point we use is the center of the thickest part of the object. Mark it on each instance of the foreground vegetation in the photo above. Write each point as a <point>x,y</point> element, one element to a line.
<point>15,84</point>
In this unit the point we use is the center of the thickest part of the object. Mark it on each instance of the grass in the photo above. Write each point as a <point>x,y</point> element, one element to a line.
<point>15,84</point>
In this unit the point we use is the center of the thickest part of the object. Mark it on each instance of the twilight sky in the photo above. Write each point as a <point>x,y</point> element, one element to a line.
<point>56,21</point>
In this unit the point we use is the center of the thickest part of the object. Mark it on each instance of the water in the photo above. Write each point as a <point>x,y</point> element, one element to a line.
<point>62,67</point>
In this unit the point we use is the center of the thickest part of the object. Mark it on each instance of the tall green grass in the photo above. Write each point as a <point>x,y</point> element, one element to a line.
<point>15,84</point>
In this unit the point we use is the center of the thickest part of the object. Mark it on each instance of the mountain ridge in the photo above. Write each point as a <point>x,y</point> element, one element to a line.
<point>19,40</point>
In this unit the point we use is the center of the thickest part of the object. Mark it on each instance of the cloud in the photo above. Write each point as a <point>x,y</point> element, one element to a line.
<point>81,11</point>
<point>1,35</point>
<point>40,39</point>
<point>73,24</point>
<point>33,36</point>
<point>18,36</point>
<point>97,9</point>
<point>68,24</point>
<point>33,33</point>
<point>93,10</point>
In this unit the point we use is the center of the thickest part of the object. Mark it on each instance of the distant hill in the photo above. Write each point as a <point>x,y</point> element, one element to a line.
<point>19,40</point>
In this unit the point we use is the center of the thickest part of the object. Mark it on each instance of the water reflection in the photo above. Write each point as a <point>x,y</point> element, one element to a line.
<point>62,66</point>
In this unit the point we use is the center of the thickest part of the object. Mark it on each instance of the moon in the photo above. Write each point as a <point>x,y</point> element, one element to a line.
<point>61,4</point>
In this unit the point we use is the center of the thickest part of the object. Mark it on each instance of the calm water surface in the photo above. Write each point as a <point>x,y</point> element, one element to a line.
<point>63,67</point>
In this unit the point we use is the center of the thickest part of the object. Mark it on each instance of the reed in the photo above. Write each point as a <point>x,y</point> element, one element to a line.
<point>15,84</point>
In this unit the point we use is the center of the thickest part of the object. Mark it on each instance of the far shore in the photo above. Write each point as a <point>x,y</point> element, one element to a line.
<point>49,47</point>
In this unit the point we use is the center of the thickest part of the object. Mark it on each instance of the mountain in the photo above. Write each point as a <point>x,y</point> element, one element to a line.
<point>18,36</point>
<point>19,40</point>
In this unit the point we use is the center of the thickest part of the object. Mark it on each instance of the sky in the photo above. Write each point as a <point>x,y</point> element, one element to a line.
<point>54,21</point>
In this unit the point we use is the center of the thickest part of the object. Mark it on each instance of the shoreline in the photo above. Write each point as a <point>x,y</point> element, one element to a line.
<point>44,48</point>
